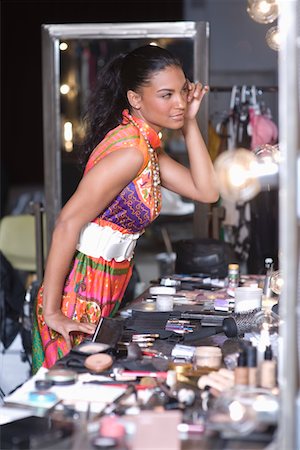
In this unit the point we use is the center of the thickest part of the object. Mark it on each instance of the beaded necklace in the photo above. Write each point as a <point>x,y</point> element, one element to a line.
<point>154,164</point>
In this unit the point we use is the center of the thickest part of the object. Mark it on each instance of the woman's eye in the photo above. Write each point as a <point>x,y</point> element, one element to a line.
<point>167,95</point>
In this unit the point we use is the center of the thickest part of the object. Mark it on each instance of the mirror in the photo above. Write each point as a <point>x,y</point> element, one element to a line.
<point>79,64</point>
<point>72,55</point>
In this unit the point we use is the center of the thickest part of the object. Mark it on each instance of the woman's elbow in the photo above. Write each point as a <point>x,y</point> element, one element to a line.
<point>64,227</point>
<point>210,195</point>
<point>214,196</point>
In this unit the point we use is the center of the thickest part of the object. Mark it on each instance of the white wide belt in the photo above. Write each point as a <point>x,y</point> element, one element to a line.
<point>105,242</point>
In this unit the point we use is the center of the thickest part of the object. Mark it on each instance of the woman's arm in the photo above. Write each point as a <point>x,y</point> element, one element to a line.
<point>95,191</point>
<point>197,182</point>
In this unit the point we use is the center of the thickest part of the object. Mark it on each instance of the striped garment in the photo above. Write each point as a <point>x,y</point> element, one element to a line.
<point>94,287</point>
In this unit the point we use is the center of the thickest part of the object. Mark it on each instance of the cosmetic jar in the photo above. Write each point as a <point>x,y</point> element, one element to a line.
<point>208,356</point>
<point>162,290</point>
<point>247,299</point>
<point>61,376</point>
<point>164,303</point>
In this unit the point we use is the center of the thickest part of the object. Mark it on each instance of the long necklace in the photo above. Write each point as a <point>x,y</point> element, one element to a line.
<point>154,164</point>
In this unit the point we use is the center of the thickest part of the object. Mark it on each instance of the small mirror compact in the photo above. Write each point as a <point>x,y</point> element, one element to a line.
<point>90,348</point>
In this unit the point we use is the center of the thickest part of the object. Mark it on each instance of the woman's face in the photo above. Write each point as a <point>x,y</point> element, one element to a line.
<point>162,102</point>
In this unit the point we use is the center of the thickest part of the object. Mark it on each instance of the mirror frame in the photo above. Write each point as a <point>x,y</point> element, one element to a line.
<point>51,36</point>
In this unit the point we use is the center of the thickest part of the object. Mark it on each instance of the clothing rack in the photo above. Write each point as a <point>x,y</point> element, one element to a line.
<point>229,88</point>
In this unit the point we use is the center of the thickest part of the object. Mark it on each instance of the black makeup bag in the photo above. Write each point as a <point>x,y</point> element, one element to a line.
<point>207,257</point>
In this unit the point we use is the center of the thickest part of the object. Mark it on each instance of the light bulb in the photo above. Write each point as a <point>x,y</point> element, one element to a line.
<point>267,165</point>
<point>273,38</point>
<point>237,411</point>
<point>68,131</point>
<point>68,136</point>
<point>235,174</point>
<point>266,322</point>
<point>268,153</point>
<point>63,46</point>
<point>64,89</point>
<point>263,11</point>
<point>276,282</point>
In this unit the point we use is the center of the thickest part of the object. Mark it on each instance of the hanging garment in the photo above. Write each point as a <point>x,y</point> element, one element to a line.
<point>243,140</point>
<point>97,280</point>
<point>217,137</point>
<point>233,118</point>
<point>263,129</point>
<point>214,142</point>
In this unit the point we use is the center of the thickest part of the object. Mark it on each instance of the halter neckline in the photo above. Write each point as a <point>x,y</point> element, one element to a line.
<point>151,134</point>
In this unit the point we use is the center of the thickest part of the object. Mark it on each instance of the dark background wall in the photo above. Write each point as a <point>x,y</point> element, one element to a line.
<point>21,82</point>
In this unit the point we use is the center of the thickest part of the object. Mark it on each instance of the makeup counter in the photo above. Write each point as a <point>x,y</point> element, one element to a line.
<point>190,364</point>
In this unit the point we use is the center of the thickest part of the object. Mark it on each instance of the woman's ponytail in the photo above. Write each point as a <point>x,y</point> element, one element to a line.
<point>106,104</point>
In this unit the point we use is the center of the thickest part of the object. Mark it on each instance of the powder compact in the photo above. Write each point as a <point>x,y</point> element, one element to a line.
<point>90,348</point>
<point>61,377</point>
<point>98,363</point>
<point>42,398</point>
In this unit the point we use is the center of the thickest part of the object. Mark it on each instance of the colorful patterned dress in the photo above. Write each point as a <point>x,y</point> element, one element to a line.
<point>94,287</point>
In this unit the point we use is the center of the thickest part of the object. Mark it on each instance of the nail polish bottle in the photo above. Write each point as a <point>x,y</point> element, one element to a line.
<point>268,370</point>
<point>241,371</point>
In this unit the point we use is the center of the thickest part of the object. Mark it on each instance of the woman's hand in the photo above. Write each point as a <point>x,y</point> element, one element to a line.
<point>196,92</point>
<point>58,322</point>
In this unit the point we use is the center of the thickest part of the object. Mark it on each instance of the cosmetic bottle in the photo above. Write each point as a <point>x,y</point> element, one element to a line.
<point>241,371</point>
<point>269,270</point>
<point>252,365</point>
<point>233,277</point>
<point>268,370</point>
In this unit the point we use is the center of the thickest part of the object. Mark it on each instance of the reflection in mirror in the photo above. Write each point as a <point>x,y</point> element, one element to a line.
<point>80,61</point>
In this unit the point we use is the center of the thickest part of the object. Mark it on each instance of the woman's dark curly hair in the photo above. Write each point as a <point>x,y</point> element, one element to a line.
<point>124,72</point>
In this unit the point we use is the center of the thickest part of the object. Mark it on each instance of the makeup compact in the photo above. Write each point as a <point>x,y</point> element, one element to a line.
<point>42,398</point>
<point>108,331</point>
<point>90,348</point>
<point>98,363</point>
<point>61,377</point>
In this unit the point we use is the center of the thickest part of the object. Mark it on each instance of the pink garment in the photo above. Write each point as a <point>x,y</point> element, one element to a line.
<point>264,130</point>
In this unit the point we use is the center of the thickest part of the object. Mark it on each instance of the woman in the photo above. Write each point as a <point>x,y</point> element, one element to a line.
<point>90,260</point>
